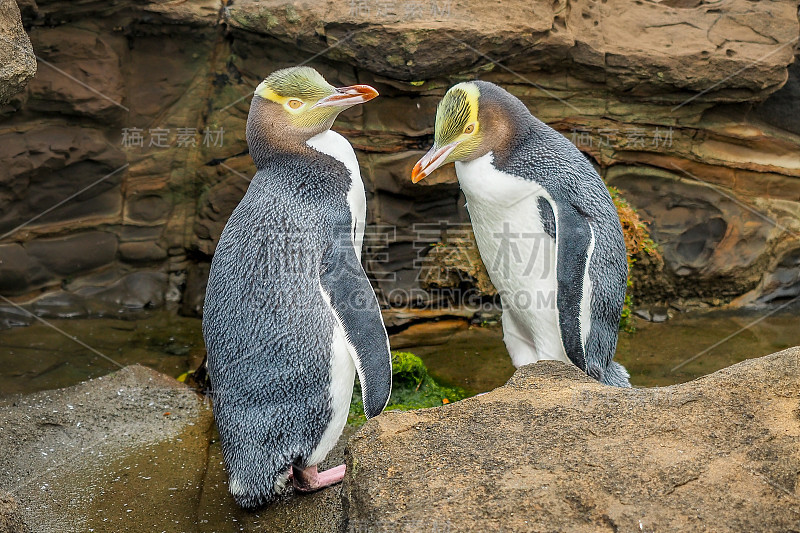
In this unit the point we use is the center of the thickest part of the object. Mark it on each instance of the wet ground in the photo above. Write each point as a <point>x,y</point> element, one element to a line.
<point>68,351</point>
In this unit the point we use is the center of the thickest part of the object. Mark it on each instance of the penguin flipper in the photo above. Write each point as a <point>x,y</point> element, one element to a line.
<point>573,239</point>
<point>353,300</point>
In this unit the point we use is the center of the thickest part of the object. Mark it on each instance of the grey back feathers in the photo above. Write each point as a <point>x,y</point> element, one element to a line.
<point>266,328</point>
<point>547,216</point>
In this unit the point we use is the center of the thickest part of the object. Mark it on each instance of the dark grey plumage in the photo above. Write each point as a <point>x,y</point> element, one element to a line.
<point>269,331</point>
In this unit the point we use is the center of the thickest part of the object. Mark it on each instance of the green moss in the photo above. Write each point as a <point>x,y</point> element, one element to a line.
<point>412,388</point>
<point>407,370</point>
<point>626,320</point>
<point>637,242</point>
<point>395,60</point>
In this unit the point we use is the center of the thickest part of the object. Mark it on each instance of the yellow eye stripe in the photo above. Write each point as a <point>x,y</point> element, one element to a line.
<point>457,112</point>
<point>268,94</point>
<point>265,92</point>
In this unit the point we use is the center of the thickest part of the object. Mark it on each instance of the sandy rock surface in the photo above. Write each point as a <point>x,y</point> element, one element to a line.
<point>555,451</point>
<point>17,61</point>
<point>125,452</point>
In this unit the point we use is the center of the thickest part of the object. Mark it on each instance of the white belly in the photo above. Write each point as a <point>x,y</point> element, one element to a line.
<point>336,146</point>
<point>342,372</point>
<point>519,255</point>
<point>342,368</point>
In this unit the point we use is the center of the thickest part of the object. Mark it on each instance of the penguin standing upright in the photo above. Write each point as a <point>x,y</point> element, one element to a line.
<point>545,225</point>
<point>289,314</point>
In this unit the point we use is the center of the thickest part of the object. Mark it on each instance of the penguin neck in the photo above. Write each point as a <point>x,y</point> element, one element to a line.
<point>270,135</point>
<point>521,135</point>
<point>510,126</point>
<point>508,122</point>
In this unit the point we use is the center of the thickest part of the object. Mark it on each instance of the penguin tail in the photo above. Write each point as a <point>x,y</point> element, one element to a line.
<point>616,375</point>
<point>253,497</point>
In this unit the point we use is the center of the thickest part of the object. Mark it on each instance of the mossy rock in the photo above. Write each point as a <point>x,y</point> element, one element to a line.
<point>638,244</point>
<point>412,388</point>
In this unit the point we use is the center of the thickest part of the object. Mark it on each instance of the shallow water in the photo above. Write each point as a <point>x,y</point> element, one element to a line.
<point>705,343</point>
<point>40,357</point>
<point>476,359</point>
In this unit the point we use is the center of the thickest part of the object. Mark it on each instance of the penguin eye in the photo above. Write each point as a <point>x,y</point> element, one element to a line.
<point>469,129</point>
<point>295,104</point>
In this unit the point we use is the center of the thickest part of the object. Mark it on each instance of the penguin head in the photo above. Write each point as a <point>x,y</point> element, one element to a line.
<point>293,104</point>
<point>473,118</point>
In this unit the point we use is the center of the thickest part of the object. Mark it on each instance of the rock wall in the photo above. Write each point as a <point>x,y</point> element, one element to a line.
<point>124,156</point>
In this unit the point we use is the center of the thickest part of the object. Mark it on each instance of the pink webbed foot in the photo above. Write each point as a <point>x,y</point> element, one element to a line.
<point>310,480</point>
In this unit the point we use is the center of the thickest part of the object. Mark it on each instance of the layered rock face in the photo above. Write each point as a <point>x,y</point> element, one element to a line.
<point>126,153</point>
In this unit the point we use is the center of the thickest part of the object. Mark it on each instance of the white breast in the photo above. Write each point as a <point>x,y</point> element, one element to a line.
<point>505,217</point>
<point>342,372</point>
<point>519,255</point>
<point>342,369</point>
<point>336,146</point>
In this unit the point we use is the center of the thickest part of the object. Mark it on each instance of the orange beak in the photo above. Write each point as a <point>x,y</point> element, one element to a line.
<point>431,161</point>
<point>348,96</point>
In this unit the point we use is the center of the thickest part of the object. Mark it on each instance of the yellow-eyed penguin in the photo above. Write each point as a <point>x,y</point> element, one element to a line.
<point>289,313</point>
<point>546,228</point>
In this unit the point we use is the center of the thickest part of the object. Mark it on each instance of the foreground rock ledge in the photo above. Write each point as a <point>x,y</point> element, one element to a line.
<point>124,452</point>
<point>554,451</point>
